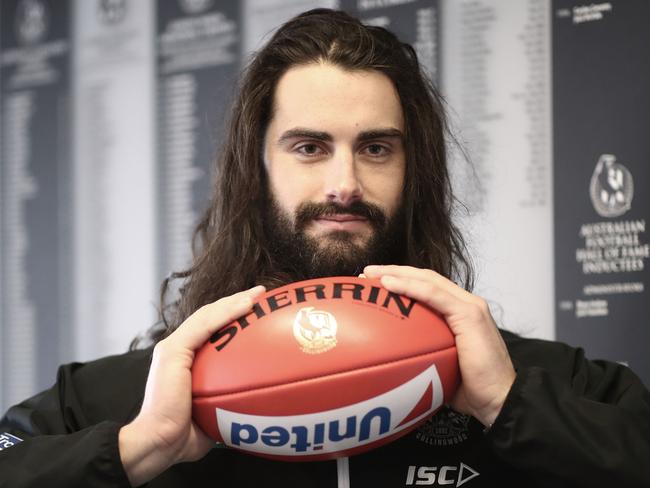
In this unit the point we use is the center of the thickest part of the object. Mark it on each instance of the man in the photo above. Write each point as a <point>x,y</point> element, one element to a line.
<point>335,164</point>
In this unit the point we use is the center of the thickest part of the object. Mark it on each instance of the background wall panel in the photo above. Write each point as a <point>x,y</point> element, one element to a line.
<point>35,194</point>
<point>601,74</point>
<point>495,73</point>
<point>114,175</point>
<point>198,53</point>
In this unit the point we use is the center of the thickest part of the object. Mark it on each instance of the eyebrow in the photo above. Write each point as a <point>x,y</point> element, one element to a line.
<point>308,133</point>
<point>380,134</point>
<point>388,132</point>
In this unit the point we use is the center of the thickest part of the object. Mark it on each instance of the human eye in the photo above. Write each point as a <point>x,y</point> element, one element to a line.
<point>309,149</point>
<point>376,150</point>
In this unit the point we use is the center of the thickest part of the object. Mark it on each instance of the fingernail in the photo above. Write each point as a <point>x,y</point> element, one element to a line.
<point>362,275</point>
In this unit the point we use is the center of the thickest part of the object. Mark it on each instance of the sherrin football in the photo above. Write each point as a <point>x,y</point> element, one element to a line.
<point>323,368</point>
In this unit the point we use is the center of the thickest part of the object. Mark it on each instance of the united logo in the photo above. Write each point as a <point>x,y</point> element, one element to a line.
<point>337,430</point>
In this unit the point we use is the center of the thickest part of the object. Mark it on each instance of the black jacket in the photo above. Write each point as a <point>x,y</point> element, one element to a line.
<point>567,421</point>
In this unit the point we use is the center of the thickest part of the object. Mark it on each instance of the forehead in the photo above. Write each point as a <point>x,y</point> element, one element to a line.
<point>327,97</point>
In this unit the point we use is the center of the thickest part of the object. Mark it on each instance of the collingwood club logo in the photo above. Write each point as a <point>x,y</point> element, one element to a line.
<point>32,21</point>
<point>446,428</point>
<point>315,330</point>
<point>195,6</point>
<point>112,11</point>
<point>611,188</point>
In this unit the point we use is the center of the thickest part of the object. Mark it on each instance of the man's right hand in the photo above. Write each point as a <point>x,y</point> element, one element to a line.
<point>163,433</point>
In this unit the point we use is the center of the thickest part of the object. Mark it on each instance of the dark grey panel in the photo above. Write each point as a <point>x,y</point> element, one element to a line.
<point>36,193</point>
<point>415,22</point>
<point>601,117</point>
<point>198,60</point>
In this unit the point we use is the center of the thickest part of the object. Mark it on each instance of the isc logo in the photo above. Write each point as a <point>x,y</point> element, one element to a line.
<point>440,475</point>
<point>335,430</point>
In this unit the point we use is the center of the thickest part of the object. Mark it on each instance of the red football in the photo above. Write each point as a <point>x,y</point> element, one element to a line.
<point>323,368</point>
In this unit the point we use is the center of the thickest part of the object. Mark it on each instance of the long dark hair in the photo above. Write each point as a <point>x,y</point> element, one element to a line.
<point>230,247</point>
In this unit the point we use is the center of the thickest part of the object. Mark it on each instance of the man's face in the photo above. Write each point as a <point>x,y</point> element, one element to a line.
<point>335,161</point>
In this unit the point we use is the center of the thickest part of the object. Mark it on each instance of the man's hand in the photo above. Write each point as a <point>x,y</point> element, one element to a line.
<point>485,366</point>
<point>163,433</point>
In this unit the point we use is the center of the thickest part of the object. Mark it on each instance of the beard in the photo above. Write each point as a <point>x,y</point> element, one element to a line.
<point>334,253</point>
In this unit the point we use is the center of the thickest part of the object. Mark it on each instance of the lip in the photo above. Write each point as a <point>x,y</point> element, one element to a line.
<point>341,222</point>
<point>342,218</point>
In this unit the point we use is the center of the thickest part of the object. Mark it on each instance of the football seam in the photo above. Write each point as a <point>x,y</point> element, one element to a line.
<point>263,387</point>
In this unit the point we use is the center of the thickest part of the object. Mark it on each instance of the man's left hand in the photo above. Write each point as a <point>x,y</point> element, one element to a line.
<point>486,369</point>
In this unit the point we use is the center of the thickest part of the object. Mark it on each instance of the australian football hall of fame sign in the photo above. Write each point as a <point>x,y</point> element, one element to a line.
<point>601,112</point>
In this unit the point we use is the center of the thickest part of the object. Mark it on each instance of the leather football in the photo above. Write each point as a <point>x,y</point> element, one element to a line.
<point>323,368</point>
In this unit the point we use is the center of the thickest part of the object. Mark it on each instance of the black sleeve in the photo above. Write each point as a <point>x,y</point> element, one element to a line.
<point>67,436</point>
<point>569,421</point>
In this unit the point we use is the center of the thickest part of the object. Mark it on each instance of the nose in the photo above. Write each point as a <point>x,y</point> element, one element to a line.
<point>343,185</point>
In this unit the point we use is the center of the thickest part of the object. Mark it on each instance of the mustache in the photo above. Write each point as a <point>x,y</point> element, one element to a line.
<point>308,211</point>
